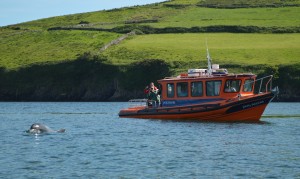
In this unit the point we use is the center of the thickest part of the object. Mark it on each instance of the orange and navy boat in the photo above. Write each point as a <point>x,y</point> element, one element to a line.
<point>209,95</point>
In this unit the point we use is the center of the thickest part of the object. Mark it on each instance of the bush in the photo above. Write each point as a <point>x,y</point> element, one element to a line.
<point>216,28</point>
<point>83,22</point>
<point>141,73</point>
<point>289,82</point>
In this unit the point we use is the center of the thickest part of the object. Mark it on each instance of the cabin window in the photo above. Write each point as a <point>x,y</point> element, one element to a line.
<point>213,88</point>
<point>232,86</point>
<point>197,89</point>
<point>182,89</point>
<point>248,86</point>
<point>170,90</point>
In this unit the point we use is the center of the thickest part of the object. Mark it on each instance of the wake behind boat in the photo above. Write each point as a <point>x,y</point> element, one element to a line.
<point>209,95</point>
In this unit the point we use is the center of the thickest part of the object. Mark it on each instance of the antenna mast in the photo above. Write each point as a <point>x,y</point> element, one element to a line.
<point>209,60</point>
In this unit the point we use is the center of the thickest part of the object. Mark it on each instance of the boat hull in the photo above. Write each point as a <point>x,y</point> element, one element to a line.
<point>244,110</point>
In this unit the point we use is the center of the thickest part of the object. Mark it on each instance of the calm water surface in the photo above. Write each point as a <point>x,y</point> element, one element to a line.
<point>98,144</point>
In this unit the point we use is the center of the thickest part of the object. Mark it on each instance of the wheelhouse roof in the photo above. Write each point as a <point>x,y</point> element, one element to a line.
<point>206,77</point>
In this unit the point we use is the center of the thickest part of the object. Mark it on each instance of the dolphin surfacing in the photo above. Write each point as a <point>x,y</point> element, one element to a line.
<point>38,128</point>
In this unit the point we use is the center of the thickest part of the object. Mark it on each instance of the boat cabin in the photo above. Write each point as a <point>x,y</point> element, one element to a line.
<point>198,88</point>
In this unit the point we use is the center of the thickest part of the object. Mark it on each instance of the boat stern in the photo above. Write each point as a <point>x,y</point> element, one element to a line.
<point>130,112</point>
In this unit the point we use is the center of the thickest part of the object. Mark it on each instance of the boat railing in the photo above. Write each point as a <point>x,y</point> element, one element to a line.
<point>265,82</point>
<point>152,103</point>
<point>144,102</point>
<point>137,102</point>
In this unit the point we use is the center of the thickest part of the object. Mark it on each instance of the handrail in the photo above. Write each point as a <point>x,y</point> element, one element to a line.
<point>155,104</point>
<point>138,100</point>
<point>270,80</point>
<point>269,83</point>
<point>145,102</point>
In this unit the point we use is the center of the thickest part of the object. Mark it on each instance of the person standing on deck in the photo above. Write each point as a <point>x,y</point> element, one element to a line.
<point>148,88</point>
<point>152,93</point>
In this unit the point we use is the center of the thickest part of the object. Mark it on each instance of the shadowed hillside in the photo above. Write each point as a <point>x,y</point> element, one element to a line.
<point>88,78</point>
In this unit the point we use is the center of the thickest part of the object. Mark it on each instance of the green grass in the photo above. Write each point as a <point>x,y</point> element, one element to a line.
<point>261,17</point>
<point>34,44</point>
<point>225,48</point>
<point>21,48</point>
<point>165,16</point>
<point>103,19</point>
<point>248,3</point>
<point>222,3</point>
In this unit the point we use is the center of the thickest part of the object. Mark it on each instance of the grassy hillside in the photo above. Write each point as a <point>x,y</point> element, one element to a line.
<point>225,48</point>
<point>31,42</point>
<point>181,13</point>
<point>21,48</point>
<point>261,17</point>
<point>264,36</point>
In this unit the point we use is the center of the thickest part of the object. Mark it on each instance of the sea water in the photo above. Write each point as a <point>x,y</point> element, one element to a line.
<point>99,144</point>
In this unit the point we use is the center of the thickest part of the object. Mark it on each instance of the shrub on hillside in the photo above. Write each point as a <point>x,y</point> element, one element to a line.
<point>141,73</point>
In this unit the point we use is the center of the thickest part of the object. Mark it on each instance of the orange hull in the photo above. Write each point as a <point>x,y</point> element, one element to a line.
<point>246,110</point>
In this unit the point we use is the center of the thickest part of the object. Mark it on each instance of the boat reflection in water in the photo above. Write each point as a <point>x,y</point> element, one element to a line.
<point>209,95</point>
